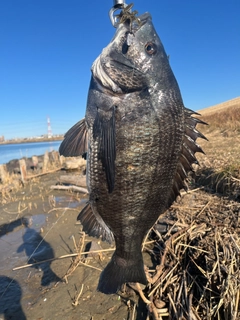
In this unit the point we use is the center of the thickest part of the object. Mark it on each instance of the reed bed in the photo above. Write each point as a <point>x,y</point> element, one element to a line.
<point>198,274</point>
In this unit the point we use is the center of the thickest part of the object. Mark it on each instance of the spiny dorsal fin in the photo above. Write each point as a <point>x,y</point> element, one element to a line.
<point>75,140</point>
<point>187,156</point>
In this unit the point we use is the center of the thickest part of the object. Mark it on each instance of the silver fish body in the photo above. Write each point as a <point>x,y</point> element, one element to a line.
<point>140,144</point>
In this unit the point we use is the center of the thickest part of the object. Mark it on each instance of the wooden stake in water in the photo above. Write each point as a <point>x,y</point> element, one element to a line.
<point>45,161</point>
<point>35,161</point>
<point>23,170</point>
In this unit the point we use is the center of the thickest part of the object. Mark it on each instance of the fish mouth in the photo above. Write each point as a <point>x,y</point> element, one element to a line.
<point>138,22</point>
<point>145,17</point>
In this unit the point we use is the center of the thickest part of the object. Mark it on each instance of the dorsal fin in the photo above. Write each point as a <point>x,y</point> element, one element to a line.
<point>75,140</point>
<point>187,156</point>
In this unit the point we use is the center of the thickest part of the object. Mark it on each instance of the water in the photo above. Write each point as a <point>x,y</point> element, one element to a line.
<point>12,241</point>
<point>17,151</point>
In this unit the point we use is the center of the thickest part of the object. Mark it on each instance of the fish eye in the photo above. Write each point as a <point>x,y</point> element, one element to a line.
<point>150,48</point>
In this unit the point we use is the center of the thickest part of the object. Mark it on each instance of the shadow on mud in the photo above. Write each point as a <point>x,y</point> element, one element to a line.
<point>9,227</point>
<point>37,249</point>
<point>10,299</point>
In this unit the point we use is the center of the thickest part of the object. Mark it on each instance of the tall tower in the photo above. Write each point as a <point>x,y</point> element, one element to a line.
<point>49,128</point>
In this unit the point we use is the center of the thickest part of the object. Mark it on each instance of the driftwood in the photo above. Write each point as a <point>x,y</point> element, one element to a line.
<point>73,179</point>
<point>74,163</point>
<point>23,169</point>
<point>43,173</point>
<point>56,158</point>
<point>45,161</point>
<point>72,255</point>
<point>74,188</point>
<point>63,257</point>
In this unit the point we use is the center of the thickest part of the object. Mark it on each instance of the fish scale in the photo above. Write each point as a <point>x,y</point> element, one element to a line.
<point>140,142</point>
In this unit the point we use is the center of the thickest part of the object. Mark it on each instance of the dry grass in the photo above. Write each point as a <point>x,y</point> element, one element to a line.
<point>226,120</point>
<point>198,276</point>
<point>220,168</point>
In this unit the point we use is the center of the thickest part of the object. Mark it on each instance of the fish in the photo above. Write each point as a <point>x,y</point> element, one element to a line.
<point>140,143</point>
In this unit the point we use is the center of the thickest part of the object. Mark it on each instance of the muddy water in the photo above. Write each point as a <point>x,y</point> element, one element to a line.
<point>24,241</point>
<point>45,231</point>
<point>15,247</point>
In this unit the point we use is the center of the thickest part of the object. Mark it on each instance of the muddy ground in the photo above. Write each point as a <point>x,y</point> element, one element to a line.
<point>34,214</point>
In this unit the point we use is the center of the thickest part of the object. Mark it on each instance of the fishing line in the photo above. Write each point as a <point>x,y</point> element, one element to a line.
<point>49,231</point>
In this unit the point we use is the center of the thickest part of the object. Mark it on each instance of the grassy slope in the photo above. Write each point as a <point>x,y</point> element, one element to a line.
<point>223,148</point>
<point>224,117</point>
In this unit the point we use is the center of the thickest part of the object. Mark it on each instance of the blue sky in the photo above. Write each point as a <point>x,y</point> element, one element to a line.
<point>47,48</point>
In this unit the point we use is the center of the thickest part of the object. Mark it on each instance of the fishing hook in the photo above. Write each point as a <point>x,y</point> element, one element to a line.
<point>125,15</point>
<point>117,5</point>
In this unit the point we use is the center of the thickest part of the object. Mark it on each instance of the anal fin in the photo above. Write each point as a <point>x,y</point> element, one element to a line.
<point>94,225</point>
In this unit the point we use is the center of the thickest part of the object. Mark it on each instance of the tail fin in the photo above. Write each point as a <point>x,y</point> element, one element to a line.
<point>119,271</point>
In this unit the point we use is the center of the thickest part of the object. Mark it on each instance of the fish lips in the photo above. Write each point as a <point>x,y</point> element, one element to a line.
<point>140,21</point>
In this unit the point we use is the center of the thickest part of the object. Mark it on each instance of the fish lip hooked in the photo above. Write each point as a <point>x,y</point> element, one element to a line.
<point>143,18</point>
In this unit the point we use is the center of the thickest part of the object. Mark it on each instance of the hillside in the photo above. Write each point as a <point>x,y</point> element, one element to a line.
<point>221,106</point>
<point>224,116</point>
<point>220,167</point>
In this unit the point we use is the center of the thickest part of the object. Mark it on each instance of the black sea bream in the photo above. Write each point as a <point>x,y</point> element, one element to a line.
<point>140,145</point>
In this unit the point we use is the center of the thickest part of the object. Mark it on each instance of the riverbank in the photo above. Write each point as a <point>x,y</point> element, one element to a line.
<point>18,151</point>
<point>33,140</point>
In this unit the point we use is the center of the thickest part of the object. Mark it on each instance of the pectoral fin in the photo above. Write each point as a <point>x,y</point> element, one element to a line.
<point>104,131</point>
<point>75,140</point>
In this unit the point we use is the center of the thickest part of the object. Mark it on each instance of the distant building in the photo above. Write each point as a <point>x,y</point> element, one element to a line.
<point>2,139</point>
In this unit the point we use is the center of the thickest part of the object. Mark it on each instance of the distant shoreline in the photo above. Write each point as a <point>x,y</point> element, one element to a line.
<point>59,138</point>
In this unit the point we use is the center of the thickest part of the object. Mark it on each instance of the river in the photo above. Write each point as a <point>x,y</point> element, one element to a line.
<point>17,151</point>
